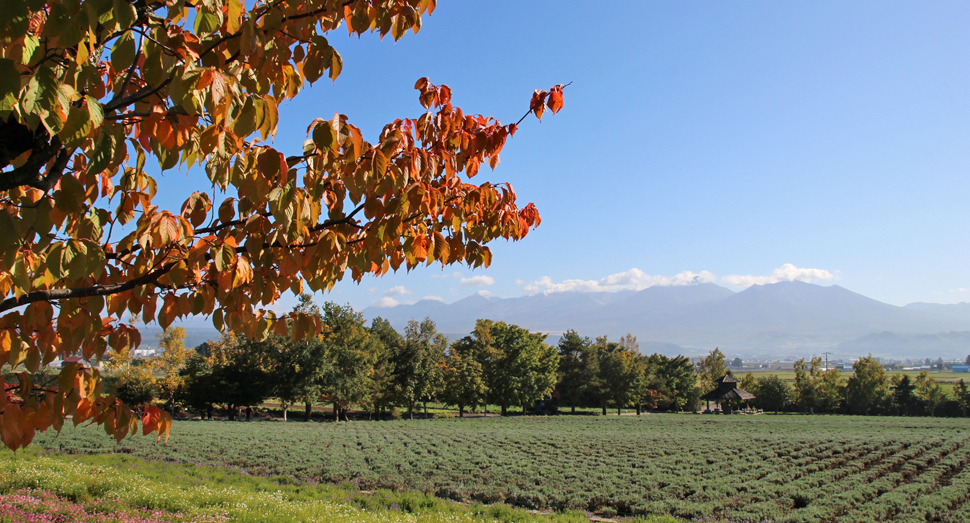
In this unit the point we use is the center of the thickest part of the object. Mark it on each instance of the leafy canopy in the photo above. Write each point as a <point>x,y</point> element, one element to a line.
<point>90,89</point>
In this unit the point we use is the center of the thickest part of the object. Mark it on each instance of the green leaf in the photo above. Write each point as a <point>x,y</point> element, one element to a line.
<point>124,14</point>
<point>100,157</point>
<point>70,197</point>
<point>206,22</point>
<point>81,122</point>
<point>31,43</point>
<point>123,52</point>
<point>324,136</point>
<point>42,93</point>
<point>245,122</point>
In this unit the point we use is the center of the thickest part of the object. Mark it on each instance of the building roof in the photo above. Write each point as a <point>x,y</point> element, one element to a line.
<point>727,389</point>
<point>727,393</point>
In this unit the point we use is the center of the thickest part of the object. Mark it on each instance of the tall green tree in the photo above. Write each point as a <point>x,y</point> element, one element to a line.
<point>961,393</point>
<point>479,345</point>
<point>382,380</point>
<point>573,371</point>
<point>464,382</point>
<point>237,374</point>
<point>351,352</point>
<point>418,368</point>
<point>930,393</point>
<point>831,389</point>
<point>624,377</point>
<point>772,393</point>
<point>868,387</point>
<point>904,394</point>
<point>524,369</point>
<point>807,384</point>
<point>299,365</point>
<point>675,380</point>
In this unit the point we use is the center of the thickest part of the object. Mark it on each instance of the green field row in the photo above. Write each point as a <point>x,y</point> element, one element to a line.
<point>778,468</point>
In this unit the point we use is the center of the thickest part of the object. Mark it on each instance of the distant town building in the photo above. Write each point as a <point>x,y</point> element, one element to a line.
<point>961,368</point>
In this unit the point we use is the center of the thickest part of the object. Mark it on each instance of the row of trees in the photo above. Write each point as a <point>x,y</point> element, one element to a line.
<point>870,390</point>
<point>375,368</point>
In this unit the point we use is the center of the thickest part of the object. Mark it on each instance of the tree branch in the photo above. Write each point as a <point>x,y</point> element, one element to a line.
<point>85,292</point>
<point>144,92</point>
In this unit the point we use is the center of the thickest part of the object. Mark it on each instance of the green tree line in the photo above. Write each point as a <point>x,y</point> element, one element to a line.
<point>375,369</point>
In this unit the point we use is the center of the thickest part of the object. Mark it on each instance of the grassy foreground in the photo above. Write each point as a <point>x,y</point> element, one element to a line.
<point>43,488</point>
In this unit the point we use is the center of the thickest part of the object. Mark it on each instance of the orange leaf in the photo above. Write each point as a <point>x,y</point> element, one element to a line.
<point>537,105</point>
<point>420,247</point>
<point>555,102</point>
<point>149,420</point>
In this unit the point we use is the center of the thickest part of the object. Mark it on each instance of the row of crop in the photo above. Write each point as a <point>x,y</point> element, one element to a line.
<point>878,494</point>
<point>778,493</point>
<point>916,479</point>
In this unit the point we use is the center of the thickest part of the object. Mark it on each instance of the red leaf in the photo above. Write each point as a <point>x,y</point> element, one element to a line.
<point>555,99</point>
<point>537,105</point>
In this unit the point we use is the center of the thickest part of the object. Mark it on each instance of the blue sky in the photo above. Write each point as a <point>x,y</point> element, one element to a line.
<point>731,142</point>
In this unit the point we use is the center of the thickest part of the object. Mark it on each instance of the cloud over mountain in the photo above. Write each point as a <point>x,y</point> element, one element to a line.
<point>786,272</point>
<point>633,279</point>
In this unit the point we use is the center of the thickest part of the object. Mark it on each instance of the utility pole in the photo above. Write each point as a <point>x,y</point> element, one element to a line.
<point>826,353</point>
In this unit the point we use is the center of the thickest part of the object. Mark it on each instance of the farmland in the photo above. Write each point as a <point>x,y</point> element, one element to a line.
<point>776,468</point>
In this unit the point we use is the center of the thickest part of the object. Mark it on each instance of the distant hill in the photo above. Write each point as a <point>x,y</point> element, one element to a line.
<point>788,318</point>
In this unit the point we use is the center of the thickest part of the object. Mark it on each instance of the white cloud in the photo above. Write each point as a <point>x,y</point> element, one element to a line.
<point>477,281</point>
<point>961,289</point>
<point>372,290</point>
<point>786,272</point>
<point>384,302</point>
<point>486,294</point>
<point>633,279</point>
<point>434,298</point>
<point>397,291</point>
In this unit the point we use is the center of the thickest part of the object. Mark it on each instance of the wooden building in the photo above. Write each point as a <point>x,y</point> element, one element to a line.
<point>727,392</point>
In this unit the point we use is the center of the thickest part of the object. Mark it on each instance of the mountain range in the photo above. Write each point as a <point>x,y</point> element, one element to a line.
<point>774,320</point>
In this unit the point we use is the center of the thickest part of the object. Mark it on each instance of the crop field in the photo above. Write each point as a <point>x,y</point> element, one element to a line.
<point>759,468</point>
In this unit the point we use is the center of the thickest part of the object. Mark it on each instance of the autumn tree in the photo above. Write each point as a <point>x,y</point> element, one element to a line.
<point>170,362</point>
<point>92,91</point>
<point>710,368</point>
